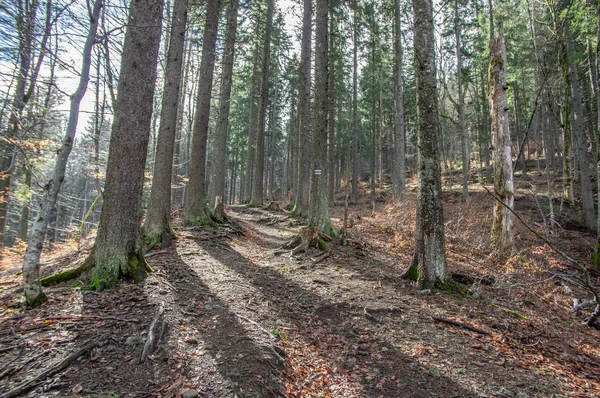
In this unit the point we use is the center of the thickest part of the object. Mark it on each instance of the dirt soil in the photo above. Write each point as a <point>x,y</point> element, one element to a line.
<point>242,321</point>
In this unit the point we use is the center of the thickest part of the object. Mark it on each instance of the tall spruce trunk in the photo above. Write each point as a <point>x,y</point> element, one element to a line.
<point>502,157</point>
<point>219,169</point>
<point>258,190</point>
<point>195,209</point>
<point>252,126</point>
<point>331,113</point>
<point>464,139</point>
<point>31,265</point>
<point>318,206</point>
<point>399,159</point>
<point>579,132</point>
<point>304,78</point>
<point>355,160</point>
<point>157,227</point>
<point>117,250</point>
<point>429,263</point>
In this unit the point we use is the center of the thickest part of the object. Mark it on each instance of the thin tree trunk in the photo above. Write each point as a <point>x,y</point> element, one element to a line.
<point>304,133</point>
<point>355,160</point>
<point>24,221</point>
<point>31,265</point>
<point>503,174</point>
<point>464,139</point>
<point>195,210</point>
<point>26,29</point>
<point>220,151</point>
<point>587,196</point>
<point>399,159</point>
<point>318,206</point>
<point>597,250</point>
<point>117,250</point>
<point>252,126</point>
<point>157,227</point>
<point>258,183</point>
<point>331,112</point>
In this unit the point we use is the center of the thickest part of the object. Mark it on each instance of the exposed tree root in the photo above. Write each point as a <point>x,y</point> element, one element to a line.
<point>307,237</point>
<point>274,206</point>
<point>32,383</point>
<point>155,332</point>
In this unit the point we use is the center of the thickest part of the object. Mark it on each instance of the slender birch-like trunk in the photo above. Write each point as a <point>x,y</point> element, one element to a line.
<point>502,157</point>
<point>31,265</point>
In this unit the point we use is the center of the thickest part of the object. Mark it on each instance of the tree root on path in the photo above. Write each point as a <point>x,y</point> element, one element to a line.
<point>307,237</point>
<point>37,380</point>
<point>155,332</point>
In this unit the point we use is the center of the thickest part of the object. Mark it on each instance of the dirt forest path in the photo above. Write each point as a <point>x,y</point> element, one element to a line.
<point>242,321</point>
<point>279,325</point>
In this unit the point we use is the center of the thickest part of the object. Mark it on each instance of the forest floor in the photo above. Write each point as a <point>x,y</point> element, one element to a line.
<point>242,321</point>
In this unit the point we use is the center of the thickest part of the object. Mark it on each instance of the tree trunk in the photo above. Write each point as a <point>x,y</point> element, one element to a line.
<point>464,139</point>
<point>502,157</point>
<point>24,221</point>
<point>597,250</point>
<point>157,227</point>
<point>258,183</point>
<point>587,196</point>
<point>318,206</point>
<point>399,159</point>
<point>520,148</point>
<point>25,24</point>
<point>31,265</point>
<point>251,150</point>
<point>220,163</point>
<point>304,111</point>
<point>331,113</point>
<point>195,210</point>
<point>355,160</point>
<point>429,264</point>
<point>117,250</point>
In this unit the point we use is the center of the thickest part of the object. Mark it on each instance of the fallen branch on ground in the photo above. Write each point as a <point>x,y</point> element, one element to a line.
<point>32,383</point>
<point>460,325</point>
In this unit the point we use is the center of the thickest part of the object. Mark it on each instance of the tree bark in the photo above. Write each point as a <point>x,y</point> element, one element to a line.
<point>252,126</point>
<point>219,169</point>
<point>257,196</point>
<point>597,250</point>
<point>399,160</point>
<point>331,111</point>
<point>429,264</point>
<point>304,134</point>
<point>318,206</point>
<point>464,139</point>
<point>195,209</point>
<point>25,24</point>
<point>355,160</point>
<point>587,196</point>
<point>117,250</point>
<point>157,227</point>
<point>502,157</point>
<point>31,265</point>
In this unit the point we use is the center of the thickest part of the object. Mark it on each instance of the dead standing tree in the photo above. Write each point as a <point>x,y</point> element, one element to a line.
<point>502,157</point>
